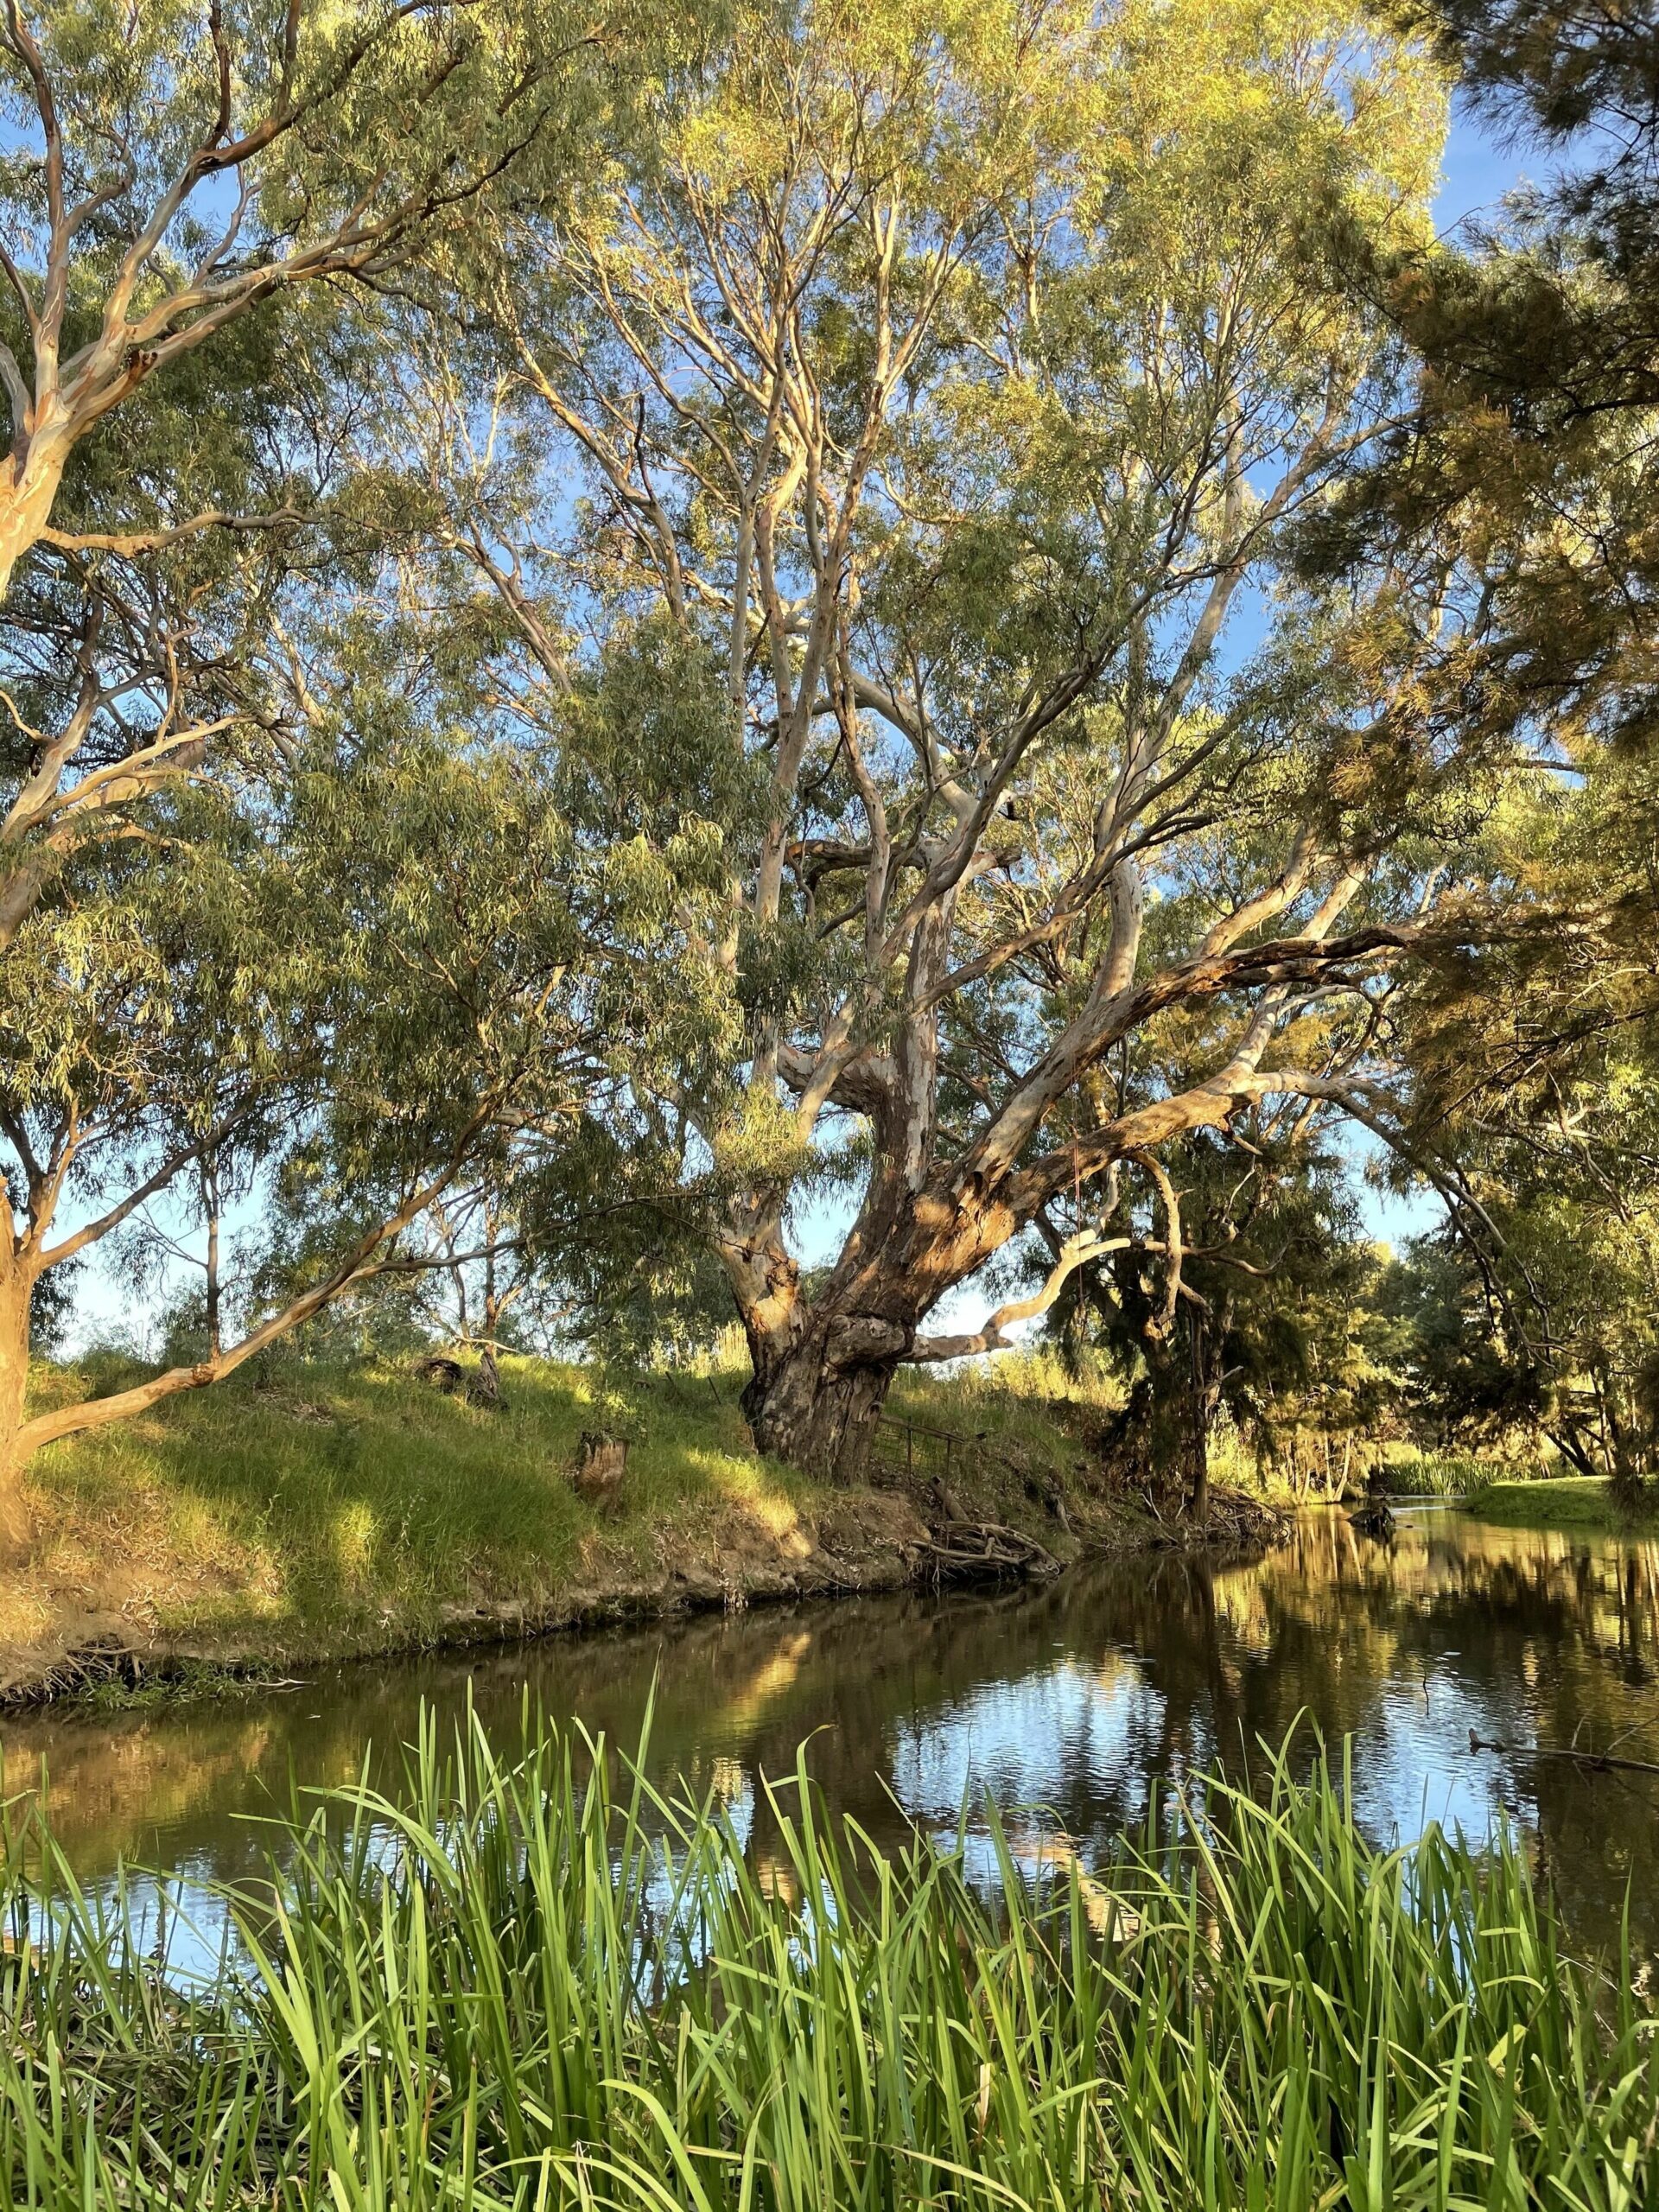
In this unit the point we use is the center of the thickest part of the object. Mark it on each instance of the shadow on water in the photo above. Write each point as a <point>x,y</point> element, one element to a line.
<point>1071,1698</point>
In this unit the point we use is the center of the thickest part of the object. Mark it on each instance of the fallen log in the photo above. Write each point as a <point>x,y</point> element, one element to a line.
<point>1596,1762</point>
<point>958,1546</point>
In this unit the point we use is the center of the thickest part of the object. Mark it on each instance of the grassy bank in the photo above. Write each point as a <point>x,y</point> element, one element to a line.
<point>343,1510</point>
<point>1564,1502</point>
<point>509,1990</point>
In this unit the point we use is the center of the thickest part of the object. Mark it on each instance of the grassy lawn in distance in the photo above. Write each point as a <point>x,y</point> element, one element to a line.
<point>1564,1502</point>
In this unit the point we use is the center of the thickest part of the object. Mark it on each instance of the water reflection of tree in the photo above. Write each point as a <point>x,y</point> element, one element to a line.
<point>1073,1695</point>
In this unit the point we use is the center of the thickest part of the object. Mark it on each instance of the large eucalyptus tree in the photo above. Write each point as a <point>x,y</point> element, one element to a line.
<point>938,398</point>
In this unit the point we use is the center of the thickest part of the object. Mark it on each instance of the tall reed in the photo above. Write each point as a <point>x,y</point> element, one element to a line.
<point>538,1982</point>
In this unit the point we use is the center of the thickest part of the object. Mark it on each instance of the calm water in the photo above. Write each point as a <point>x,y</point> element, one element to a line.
<point>1067,1699</point>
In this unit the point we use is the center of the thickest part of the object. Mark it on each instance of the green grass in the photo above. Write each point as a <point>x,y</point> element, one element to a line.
<point>356,1509</point>
<point>1564,1502</point>
<point>357,1503</point>
<point>1022,1404</point>
<point>510,1988</point>
<point>1450,1474</point>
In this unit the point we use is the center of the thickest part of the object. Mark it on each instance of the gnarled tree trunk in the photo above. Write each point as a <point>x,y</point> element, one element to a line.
<point>821,1373</point>
<point>818,1411</point>
<point>822,1370</point>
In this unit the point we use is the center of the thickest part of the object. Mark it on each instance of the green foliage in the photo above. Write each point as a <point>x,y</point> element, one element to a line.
<point>174,995</point>
<point>1457,1384</point>
<point>51,1307</point>
<point>750,690</point>
<point>371,120</point>
<point>345,983</point>
<point>1520,495</point>
<point>539,1981</point>
<point>1272,1326</point>
<point>1529,1080</point>
<point>1531,459</point>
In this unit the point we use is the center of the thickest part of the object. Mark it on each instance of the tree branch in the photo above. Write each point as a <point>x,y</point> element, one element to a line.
<point>1076,1252</point>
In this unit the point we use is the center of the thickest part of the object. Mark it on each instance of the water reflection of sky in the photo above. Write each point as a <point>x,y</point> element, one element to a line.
<point>1412,1764</point>
<point>1029,1743</point>
<point>1069,1703</point>
<point>1072,1733</point>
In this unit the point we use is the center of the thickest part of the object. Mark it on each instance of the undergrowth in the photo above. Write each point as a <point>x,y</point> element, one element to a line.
<point>541,1984</point>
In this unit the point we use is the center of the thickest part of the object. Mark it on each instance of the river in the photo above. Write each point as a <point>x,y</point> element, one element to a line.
<point>1066,1700</point>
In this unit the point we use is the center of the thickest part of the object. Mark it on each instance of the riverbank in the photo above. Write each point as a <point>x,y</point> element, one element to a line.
<point>341,1512</point>
<point>1570,1501</point>
<point>559,1992</point>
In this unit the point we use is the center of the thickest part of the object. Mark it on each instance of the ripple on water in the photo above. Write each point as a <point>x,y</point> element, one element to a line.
<point>1071,1700</point>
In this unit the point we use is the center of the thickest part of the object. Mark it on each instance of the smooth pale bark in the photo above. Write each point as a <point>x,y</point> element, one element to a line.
<point>122,1405</point>
<point>28,485</point>
<point>16,1283</point>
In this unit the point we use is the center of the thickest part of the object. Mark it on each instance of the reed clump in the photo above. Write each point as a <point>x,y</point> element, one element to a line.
<point>537,1982</point>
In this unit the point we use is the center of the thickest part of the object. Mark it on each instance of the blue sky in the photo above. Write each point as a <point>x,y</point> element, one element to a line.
<point>1479,170</point>
<point>1476,174</point>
